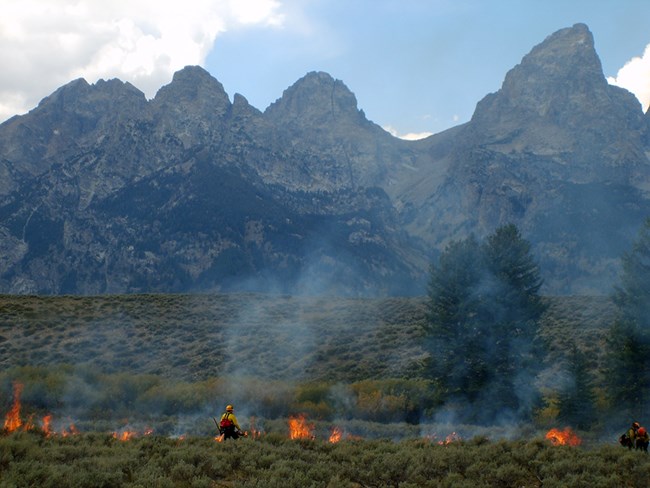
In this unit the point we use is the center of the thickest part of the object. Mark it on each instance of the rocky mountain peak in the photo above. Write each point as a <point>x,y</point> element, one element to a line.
<point>82,98</point>
<point>563,69</point>
<point>193,107</point>
<point>102,191</point>
<point>563,65</point>
<point>194,89</point>
<point>556,98</point>
<point>316,98</point>
<point>69,118</point>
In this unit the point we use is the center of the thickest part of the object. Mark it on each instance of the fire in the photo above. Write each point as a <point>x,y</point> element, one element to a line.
<point>299,428</point>
<point>72,430</point>
<point>12,419</point>
<point>564,437</point>
<point>453,437</point>
<point>29,423</point>
<point>127,435</point>
<point>47,425</point>
<point>336,435</point>
<point>254,433</point>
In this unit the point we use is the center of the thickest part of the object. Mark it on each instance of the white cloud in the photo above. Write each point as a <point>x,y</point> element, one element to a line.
<point>45,44</point>
<point>411,136</point>
<point>635,77</point>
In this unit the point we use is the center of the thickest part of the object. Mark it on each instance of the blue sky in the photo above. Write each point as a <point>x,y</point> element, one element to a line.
<point>415,66</point>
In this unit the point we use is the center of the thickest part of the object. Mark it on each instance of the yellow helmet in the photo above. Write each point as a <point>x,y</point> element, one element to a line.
<point>229,408</point>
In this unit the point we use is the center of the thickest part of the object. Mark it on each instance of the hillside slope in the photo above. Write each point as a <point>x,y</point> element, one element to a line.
<point>194,337</point>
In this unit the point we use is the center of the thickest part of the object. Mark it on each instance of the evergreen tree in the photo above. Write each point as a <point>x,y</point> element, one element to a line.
<point>633,296</point>
<point>513,307</point>
<point>516,275</point>
<point>451,325</point>
<point>577,400</point>
<point>627,368</point>
<point>483,312</point>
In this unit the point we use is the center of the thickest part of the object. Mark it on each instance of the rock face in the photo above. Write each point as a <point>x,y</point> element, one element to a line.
<point>102,191</point>
<point>558,152</point>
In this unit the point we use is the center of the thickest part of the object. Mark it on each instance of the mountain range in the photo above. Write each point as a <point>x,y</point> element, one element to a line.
<point>103,191</point>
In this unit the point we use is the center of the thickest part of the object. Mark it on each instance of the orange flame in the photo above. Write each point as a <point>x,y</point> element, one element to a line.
<point>453,437</point>
<point>29,423</point>
<point>564,437</point>
<point>299,428</point>
<point>254,433</point>
<point>336,435</point>
<point>125,435</point>
<point>12,419</point>
<point>47,425</point>
<point>72,430</point>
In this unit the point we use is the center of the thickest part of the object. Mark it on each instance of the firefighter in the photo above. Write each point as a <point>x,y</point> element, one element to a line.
<point>642,439</point>
<point>228,425</point>
<point>629,438</point>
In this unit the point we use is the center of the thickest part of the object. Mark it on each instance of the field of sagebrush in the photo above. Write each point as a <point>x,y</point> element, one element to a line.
<point>94,460</point>
<point>203,336</point>
<point>197,337</point>
<point>158,368</point>
<point>167,358</point>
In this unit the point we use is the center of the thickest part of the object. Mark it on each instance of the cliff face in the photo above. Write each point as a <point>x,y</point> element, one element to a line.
<point>103,191</point>
<point>558,152</point>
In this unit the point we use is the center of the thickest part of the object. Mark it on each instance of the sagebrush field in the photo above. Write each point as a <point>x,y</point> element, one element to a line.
<point>131,385</point>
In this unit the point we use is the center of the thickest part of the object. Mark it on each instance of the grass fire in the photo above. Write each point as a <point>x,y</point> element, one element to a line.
<point>349,415</point>
<point>565,437</point>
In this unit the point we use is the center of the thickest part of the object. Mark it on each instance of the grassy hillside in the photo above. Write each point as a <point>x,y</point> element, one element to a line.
<point>196,337</point>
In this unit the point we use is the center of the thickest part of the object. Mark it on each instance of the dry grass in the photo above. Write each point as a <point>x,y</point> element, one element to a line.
<point>202,336</point>
<point>194,337</point>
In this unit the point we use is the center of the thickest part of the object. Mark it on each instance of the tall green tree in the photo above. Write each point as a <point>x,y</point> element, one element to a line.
<point>627,368</point>
<point>513,308</point>
<point>632,297</point>
<point>484,308</point>
<point>452,323</point>
<point>577,400</point>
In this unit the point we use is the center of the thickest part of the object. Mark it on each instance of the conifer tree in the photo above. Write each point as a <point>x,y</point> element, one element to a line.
<point>577,400</point>
<point>627,367</point>
<point>483,313</point>
<point>453,305</point>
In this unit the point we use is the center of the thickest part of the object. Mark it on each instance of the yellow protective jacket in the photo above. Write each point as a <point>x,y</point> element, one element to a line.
<point>232,418</point>
<point>631,433</point>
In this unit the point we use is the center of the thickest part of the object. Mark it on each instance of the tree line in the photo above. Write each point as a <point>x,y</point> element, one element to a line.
<point>486,353</point>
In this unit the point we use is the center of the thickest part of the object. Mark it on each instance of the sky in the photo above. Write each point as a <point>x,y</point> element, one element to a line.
<point>416,67</point>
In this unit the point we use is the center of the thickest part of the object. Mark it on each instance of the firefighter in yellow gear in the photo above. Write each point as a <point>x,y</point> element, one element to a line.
<point>228,425</point>
<point>642,439</point>
<point>629,438</point>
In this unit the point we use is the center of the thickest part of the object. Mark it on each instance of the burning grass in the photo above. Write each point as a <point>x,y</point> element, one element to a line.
<point>565,437</point>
